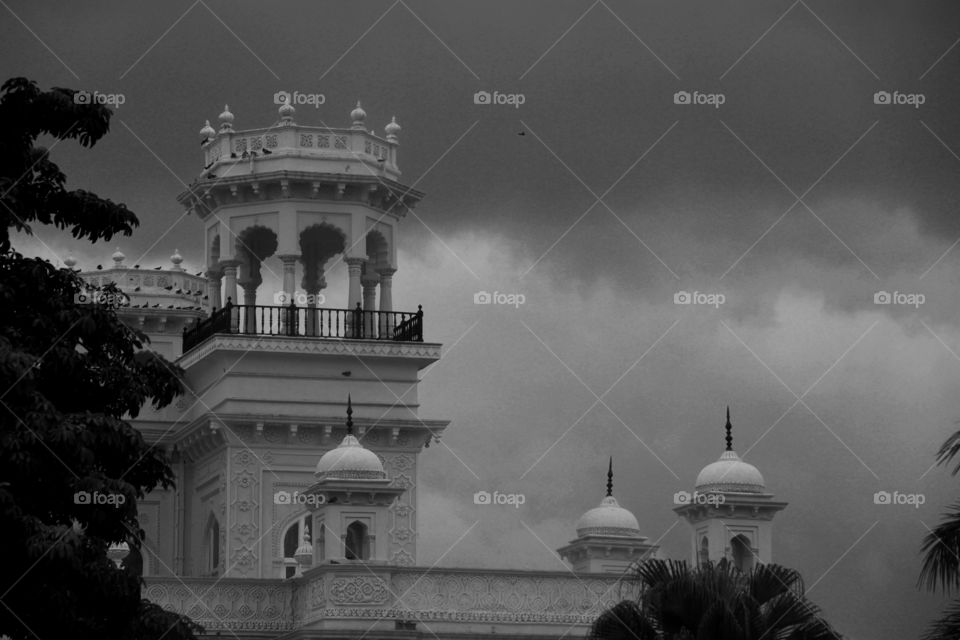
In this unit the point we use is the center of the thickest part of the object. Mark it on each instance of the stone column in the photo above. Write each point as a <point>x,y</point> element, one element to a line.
<point>230,290</point>
<point>214,282</point>
<point>354,267</point>
<point>369,282</point>
<point>249,324</point>
<point>386,302</point>
<point>289,262</point>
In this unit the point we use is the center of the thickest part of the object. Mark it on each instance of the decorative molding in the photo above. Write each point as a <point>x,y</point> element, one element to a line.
<point>401,468</point>
<point>285,344</point>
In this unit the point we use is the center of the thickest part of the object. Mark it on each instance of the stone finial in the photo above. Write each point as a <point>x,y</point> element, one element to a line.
<point>70,262</point>
<point>226,119</point>
<point>176,259</point>
<point>358,115</point>
<point>392,129</point>
<point>207,132</point>
<point>118,258</point>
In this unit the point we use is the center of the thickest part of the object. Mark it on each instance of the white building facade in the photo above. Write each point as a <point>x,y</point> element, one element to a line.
<point>297,445</point>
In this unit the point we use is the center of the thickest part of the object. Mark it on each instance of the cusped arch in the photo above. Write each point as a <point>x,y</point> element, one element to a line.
<point>741,552</point>
<point>377,249</point>
<point>318,244</point>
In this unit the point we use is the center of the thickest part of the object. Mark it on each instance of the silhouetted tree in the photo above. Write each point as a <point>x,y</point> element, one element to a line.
<point>69,373</point>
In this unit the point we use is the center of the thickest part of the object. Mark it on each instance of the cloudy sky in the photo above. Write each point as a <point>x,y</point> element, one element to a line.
<point>796,199</point>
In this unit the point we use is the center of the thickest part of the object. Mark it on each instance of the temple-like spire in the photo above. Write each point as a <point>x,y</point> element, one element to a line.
<point>729,428</point>
<point>349,416</point>
<point>610,478</point>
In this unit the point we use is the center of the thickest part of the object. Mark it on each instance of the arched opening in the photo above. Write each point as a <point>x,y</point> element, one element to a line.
<point>292,538</point>
<point>254,245</point>
<point>378,250</point>
<point>357,543</point>
<point>703,553</point>
<point>742,553</point>
<point>318,244</point>
<point>211,545</point>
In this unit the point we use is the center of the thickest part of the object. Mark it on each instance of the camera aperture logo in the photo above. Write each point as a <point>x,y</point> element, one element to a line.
<point>95,97</point>
<point>699,98</point>
<point>486,97</point>
<point>95,498</point>
<point>498,297</point>
<point>296,98</point>
<point>297,498</point>
<point>897,98</point>
<point>697,498</point>
<point>897,498</point>
<point>483,498</point>
<point>899,298</point>
<point>699,298</point>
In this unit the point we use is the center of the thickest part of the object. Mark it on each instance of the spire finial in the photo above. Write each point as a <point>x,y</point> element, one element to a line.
<point>349,416</point>
<point>610,478</point>
<point>729,428</point>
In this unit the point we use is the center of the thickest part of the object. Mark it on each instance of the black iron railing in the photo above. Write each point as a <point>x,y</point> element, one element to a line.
<point>309,322</point>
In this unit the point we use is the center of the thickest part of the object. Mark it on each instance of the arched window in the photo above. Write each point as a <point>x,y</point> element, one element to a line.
<point>742,553</point>
<point>357,542</point>
<point>211,543</point>
<point>292,538</point>
<point>703,554</point>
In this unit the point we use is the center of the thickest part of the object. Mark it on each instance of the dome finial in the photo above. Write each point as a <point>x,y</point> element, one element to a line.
<point>349,415</point>
<point>610,478</point>
<point>729,428</point>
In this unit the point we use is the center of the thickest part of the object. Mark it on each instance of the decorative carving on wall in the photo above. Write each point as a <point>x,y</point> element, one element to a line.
<point>358,590</point>
<point>489,597</point>
<point>401,468</point>
<point>244,514</point>
<point>227,605</point>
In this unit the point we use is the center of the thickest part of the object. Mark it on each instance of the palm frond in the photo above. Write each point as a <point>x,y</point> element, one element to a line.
<point>941,551</point>
<point>947,626</point>
<point>949,450</point>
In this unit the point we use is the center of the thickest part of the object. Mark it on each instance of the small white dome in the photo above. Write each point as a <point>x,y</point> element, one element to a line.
<point>609,519</point>
<point>730,474</point>
<point>207,132</point>
<point>286,111</point>
<point>350,461</point>
<point>118,256</point>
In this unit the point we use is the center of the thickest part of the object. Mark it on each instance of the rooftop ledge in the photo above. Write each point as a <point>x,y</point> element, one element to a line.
<point>381,595</point>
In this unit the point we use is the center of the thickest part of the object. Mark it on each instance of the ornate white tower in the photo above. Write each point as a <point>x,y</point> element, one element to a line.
<point>608,538</point>
<point>731,512</point>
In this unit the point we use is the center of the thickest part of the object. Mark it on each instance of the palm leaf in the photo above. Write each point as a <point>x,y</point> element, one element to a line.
<point>941,550</point>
